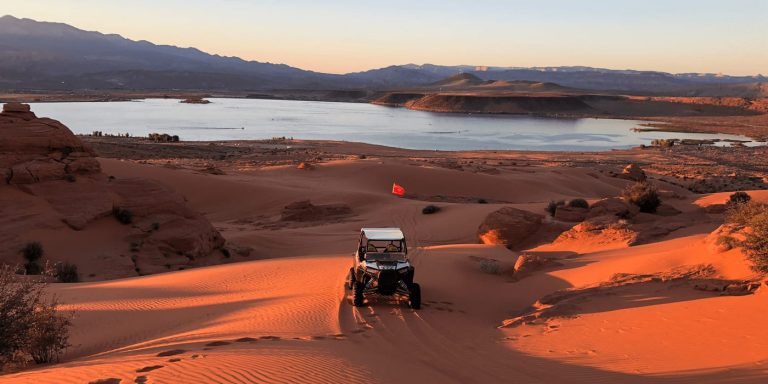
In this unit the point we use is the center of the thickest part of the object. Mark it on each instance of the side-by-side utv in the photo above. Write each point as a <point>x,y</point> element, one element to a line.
<point>381,267</point>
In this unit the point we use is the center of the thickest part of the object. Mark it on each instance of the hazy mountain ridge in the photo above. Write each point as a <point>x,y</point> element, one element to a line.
<point>43,55</point>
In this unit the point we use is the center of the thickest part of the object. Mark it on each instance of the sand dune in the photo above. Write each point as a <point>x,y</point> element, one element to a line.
<point>288,317</point>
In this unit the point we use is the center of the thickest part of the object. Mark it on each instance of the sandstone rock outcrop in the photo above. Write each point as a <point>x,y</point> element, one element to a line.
<point>509,227</point>
<point>52,182</point>
<point>36,149</point>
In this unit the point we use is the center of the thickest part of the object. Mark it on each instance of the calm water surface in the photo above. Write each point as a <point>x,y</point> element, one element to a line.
<point>248,119</point>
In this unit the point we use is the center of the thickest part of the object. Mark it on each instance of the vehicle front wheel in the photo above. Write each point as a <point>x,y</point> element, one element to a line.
<point>358,294</point>
<point>350,283</point>
<point>414,296</point>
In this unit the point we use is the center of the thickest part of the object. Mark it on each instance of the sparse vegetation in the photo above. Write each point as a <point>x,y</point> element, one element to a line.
<point>30,326</point>
<point>753,217</point>
<point>578,203</point>
<point>430,209</point>
<point>123,215</point>
<point>552,206</point>
<point>32,253</point>
<point>644,195</point>
<point>727,242</point>
<point>739,198</point>
<point>482,201</point>
<point>66,272</point>
<point>490,266</point>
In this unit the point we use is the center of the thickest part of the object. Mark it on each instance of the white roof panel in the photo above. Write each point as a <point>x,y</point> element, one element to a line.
<point>383,233</point>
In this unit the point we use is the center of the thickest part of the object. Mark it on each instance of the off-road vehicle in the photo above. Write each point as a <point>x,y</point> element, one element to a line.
<point>381,267</point>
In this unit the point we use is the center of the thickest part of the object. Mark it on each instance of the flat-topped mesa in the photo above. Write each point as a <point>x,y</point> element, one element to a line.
<point>36,149</point>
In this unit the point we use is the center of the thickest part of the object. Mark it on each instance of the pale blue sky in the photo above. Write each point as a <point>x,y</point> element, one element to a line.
<point>728,36</point>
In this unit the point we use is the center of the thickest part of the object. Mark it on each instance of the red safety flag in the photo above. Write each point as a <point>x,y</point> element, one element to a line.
<point>398,190</point>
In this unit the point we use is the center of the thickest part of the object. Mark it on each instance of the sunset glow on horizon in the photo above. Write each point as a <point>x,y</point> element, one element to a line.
<point>345,36</point>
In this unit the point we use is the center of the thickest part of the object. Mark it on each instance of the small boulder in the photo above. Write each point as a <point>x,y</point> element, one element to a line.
<point>509,227</point>
<point>527,263</point>
<point>633,172</point>
<point>571,214</point>
<point>613,206</point>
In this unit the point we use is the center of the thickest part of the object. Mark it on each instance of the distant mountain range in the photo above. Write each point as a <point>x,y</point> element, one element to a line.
<point>54,56</point>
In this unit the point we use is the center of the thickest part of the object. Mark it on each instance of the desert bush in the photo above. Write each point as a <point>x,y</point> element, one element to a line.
<point>482,201</point>
<point>578,203</point>
<point>739,198</point>
<point>552,207</point>
<point>30,327</point>
<point>48,334</point>
<point>644,195</point>
<point>754,216</point>
<point>123,215</point>
<point>430,209</point>
<point>32,251</point>
<point>66,272</point>
<point>727,242</point>
<point>490,266</point>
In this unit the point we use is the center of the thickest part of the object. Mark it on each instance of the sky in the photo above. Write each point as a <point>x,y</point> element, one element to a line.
<point>335,36</point>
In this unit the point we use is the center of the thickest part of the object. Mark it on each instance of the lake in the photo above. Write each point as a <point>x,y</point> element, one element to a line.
<point>251,119</point>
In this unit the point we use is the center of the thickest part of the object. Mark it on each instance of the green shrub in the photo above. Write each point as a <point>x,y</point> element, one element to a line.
<point>739,198</point>
<point>578,203</point>
<point>123,215</point>
<point>552,207</point>
<point>754,216</point>
<point>66,272</point>
<point>644,195</point>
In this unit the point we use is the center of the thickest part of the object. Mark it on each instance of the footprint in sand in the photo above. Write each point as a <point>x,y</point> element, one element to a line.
<point>172,352</point>
<point>245,340</point>
<point>149,368</point>
<point>217,343</point>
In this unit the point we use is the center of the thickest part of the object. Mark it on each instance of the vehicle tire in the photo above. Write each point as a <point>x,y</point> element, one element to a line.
<point>358,294</point>
<point>414,296</point>
<point>351,279</point>
<point>408,278</point>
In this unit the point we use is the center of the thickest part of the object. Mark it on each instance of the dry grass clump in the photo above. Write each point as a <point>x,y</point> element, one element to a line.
<point>739,198</point>
<point>644,195</point>
<point>66,272</point>
<point>552,206</point>
<point>752,217</point>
